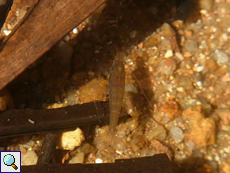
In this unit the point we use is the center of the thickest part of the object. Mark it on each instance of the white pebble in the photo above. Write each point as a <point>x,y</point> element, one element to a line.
<point>98,160</point>
<point>29,158</point>
<point>203,11</point>
<point>199,83</point>
<point>199,68</point>
<point>217,158</point>
<point>6,32</point>
<point>169,53</point>
<point>228,29</point>
<point>221,57</point>
<point>72,139</point>
<point>75,30</point>
<point>179,55</point>
<point>214,29</point>
<point>180,89</point>
<point>224,36</point>
<point>177,134</point>
<point>227,150</point>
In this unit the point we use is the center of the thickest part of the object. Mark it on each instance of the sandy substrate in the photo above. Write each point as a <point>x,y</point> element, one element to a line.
<point>177,84</point>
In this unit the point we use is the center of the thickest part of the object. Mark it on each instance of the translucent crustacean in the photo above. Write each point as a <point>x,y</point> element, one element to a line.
<point>116,94</point>
<point>116,89</point>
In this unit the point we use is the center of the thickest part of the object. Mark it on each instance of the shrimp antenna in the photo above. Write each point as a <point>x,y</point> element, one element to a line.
<point>142,90</point>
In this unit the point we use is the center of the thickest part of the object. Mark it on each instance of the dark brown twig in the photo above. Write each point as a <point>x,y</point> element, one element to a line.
<point>48,146</point>
<point>16,122</point>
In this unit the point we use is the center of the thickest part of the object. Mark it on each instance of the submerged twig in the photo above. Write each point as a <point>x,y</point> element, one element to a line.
<point>48,146</point>
<point>16,122</point>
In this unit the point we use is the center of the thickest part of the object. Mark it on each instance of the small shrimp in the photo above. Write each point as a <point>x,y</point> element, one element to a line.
<point>116,94</point>
<point>116,89</point>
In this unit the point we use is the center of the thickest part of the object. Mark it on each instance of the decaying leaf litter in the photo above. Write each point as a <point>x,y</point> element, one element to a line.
<point>182,68</point>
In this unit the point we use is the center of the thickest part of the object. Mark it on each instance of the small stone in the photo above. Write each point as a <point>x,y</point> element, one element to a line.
<point>140,46</point>
<point>169,53</point>
<point>179,56</point>
<point>152,41</point>
<point>189,103</point>
<point>156,133</point>
<point>190,145</point>
<point>132,123</point>
<point>78,158</point>
<point>170,109</point>
<point>226,78</point>
<point>221,57</point>
<point>29,158</point>
<point>98,160</point>
<point>185,82</point>
<point>199,68</point>
<point>226,168</point>
<point>224,115</point>
<point>221,71</point>
<point>167,31</point>
<point>177,134</point>
<point>190,46</point>
<point>75,31</point>
<point>211,64</point>
<point>167,66</point>
<point>72,139</point>
<point>187,54</point>
<point>6,32</point>
<point>201,129</point>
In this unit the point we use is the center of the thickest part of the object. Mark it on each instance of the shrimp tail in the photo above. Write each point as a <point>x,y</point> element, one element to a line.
<point>109,138</point>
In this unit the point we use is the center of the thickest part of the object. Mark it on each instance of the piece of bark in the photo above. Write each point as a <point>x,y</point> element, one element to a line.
<point>48,22</point>
<point>17,122</point>
<point>158,163</point>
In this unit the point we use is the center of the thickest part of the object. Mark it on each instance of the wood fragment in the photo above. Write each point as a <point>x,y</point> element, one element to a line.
<point>48,146</point>
<point>15,122</point>
<point>48,22</point>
